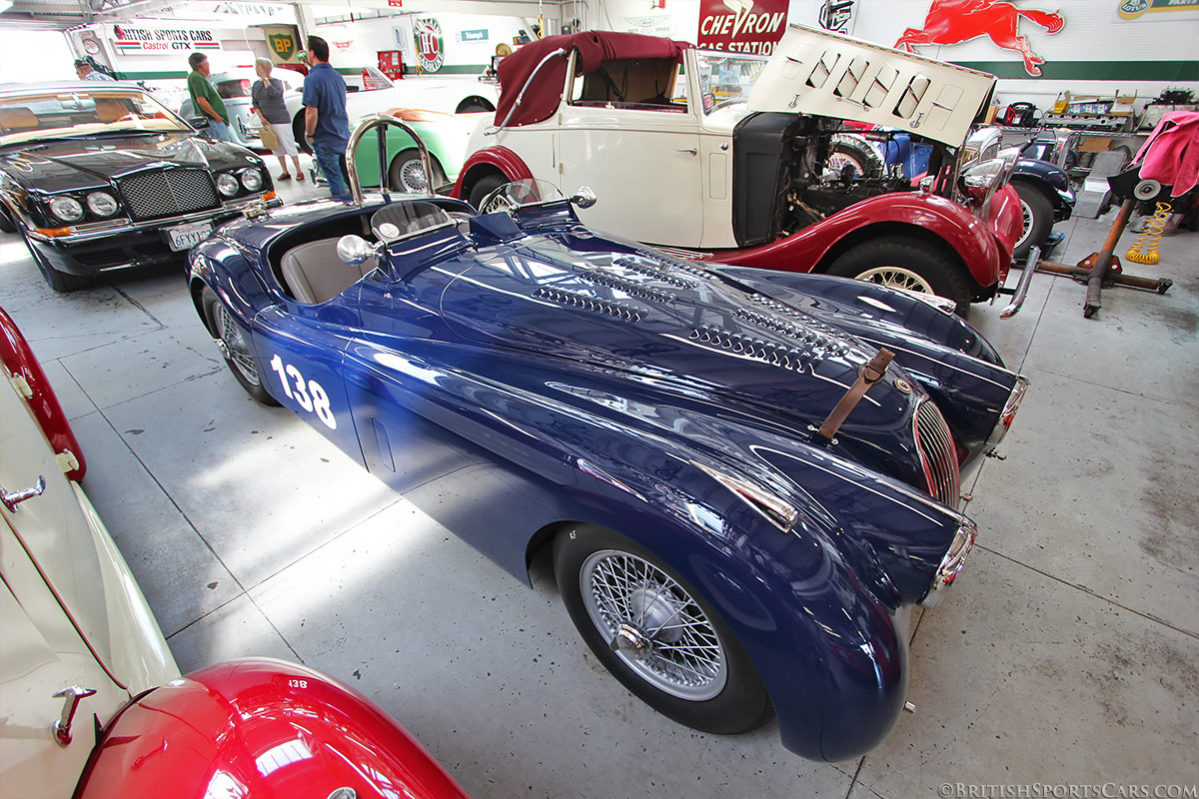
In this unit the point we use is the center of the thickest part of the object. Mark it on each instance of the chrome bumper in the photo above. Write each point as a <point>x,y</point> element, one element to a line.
<point>102,230</point>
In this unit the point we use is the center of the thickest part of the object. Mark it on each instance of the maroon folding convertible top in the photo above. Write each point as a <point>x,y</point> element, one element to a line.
<point>545,92</point>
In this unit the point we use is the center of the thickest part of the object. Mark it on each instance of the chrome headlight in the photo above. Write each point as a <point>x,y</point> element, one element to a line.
<point>953,562</point>
<point>252,179</point>
<point>226,184</point>
<point>67,209</point>
<point>982,175</point>
<point>101,203</point>
<point>1008,413</point>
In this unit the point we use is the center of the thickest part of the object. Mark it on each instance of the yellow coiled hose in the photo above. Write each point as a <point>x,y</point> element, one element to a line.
<point>1144,249</point>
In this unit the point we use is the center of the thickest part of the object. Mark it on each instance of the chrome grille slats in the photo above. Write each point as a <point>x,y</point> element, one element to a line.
<point>574,299</point>
<point>937,453</point>
<point>168,192</point>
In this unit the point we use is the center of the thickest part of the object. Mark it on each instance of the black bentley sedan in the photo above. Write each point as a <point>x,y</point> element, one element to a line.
<point>97,176</point>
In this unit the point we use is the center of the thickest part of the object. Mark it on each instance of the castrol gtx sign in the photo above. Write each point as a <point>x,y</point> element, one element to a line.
<point>744,26</point>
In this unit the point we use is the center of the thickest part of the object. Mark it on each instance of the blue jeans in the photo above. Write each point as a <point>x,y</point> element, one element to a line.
<point>219,131</point>
<point>332,161</point>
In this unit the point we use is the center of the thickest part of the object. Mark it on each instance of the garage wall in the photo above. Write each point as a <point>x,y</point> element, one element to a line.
<point>469,40</point>
<point>1098,51</point>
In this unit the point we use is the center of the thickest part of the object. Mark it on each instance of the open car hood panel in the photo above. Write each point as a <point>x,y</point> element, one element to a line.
<point>828,74</point>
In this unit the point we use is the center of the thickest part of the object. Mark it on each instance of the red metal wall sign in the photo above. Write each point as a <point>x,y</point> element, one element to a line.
<point>745,26</point>
<point>954,21</point>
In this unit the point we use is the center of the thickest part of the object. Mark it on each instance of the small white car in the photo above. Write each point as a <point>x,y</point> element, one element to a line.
<point>372,92</point>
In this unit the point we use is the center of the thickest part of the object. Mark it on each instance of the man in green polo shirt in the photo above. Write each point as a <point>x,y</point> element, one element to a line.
<point>205,100</point>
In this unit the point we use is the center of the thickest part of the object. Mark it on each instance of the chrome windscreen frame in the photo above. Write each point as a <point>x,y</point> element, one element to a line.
<point>951,564</point>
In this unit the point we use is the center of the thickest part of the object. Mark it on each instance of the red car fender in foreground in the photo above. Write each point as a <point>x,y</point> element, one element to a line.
<point>21,362</point>
<point>259,729</point>
<point>985,246</point>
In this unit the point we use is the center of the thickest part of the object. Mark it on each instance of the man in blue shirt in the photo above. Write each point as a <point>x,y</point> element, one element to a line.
<point>325,120</point>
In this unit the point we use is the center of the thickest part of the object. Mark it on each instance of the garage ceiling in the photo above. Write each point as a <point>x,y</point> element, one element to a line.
<point>62,14</point>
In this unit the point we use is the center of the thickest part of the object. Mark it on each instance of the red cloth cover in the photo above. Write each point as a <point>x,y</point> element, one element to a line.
<point>545,92</point>
<point>1171,153</point>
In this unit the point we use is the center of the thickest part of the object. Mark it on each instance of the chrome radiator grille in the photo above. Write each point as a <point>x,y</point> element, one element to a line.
<point>153,195</point>
<point>937,454</point>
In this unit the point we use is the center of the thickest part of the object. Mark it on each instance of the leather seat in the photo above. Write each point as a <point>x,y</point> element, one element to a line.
<point>17,118</point>
<point>315,274</point>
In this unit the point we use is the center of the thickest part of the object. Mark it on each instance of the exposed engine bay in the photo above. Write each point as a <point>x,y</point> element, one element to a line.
<point>791,171</point>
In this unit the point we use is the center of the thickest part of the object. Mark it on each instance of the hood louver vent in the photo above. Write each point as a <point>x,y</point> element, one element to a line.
<point>807,320</point>
<point>573,299</point>
<point>787,358</point>
<point>660,269</point>
<point>630,287</point>
<point>813,339</point>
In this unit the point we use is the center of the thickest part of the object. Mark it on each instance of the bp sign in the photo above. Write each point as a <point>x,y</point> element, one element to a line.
<point>430,45</point>
<point>283,45</point>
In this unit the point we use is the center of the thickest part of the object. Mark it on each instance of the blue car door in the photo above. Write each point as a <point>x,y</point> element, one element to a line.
<point>301,352</point>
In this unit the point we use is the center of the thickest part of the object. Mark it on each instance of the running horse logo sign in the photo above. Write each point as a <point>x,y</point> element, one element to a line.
<point>955,21</point>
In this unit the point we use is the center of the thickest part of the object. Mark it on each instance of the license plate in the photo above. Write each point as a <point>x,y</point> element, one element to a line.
<point>188,236</point>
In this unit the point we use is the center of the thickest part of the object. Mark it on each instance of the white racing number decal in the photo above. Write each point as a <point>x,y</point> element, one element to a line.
<point>310,395</point>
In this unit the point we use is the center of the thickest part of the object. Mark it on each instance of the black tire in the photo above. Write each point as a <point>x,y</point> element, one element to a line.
<point>62,282</point>
<point>484,186</point>
<point>1037,210</point>
<point>845,149</point>
<point>905,262</point>
<point>297,129</point>
<point>727,696</point>
<point>406,175</point>
<point>472,105</point>
<point>236,350</point>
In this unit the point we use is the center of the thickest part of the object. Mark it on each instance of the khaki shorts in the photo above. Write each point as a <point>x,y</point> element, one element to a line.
<point>287,139</point>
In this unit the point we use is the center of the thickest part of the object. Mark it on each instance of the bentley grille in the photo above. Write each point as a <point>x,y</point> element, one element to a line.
<point>153,195</point>
<point>937,454</point>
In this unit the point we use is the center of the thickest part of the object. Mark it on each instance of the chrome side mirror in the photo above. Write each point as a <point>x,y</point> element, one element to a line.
<point>583,197</point>
<point>355,250</point>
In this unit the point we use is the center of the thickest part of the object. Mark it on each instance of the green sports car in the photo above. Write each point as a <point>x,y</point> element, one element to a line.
<point>445,135</point>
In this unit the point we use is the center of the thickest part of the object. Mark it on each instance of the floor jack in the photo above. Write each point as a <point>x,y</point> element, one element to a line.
<point>1103,268</point>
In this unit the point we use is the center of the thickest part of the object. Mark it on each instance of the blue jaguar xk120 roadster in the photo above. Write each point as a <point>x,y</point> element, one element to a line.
<point>746,478</point>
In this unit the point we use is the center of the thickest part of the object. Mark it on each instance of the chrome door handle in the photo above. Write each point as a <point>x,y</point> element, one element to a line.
<point>12,499</point>
<point>71,695</point>
<point>691,150</point>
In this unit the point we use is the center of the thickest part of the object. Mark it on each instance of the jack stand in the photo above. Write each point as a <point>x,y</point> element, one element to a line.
<point>1103,268</point>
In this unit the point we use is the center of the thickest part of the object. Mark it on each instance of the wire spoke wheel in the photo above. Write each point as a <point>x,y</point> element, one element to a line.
<point>412,177</point>
<point>235,345</point>
<point>897,278</point>
<point>653,625</point>
<point>1027,218</point>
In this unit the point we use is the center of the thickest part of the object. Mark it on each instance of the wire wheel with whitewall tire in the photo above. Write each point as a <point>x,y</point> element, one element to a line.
<point>656,634</point>
<point>903,262</point>
<point>234,346</point>
<point>850,150</point>
<point>407,173</point>
<point>484,186</point>
<point>61,282</point>
<point>1037,211</point>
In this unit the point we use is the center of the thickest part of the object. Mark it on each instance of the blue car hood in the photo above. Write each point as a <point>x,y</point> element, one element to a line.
<point>695,333</point>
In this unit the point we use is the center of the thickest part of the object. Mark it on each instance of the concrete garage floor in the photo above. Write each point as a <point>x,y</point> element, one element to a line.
<point>1068,652</point>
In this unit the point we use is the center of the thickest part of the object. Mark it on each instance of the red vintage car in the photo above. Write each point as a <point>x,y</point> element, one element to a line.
<point>738,159</point>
